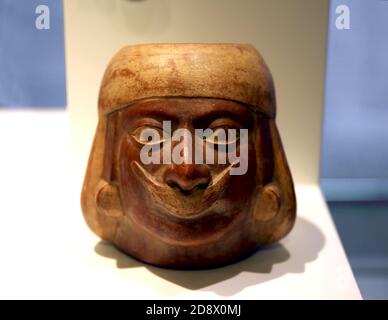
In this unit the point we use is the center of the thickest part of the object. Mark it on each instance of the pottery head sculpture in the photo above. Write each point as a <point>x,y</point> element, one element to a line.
<point>187,168</point>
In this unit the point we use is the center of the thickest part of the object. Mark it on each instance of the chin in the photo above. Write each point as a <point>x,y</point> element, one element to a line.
<point>208,241</point>
<point>206,227</point>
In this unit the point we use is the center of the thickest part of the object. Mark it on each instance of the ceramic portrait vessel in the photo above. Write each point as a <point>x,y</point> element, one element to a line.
<point>179,211</point>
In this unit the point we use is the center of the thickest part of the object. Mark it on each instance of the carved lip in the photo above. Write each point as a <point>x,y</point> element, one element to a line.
<point>178,205</point>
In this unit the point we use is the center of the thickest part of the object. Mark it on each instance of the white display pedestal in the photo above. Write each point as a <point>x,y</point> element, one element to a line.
<point>48,252</point>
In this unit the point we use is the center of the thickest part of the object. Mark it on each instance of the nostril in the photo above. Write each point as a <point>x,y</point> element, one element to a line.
<point>188,187</point>
<point>186,192</point>
<point>172,184</point>
<point>187,178</point>
<point>203,185</point>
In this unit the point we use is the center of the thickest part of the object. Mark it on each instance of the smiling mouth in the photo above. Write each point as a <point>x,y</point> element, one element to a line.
<point>183,204</point>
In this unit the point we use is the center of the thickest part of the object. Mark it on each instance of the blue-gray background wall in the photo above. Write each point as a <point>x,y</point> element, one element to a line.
<point>354,162</point>
<point>32,68</point>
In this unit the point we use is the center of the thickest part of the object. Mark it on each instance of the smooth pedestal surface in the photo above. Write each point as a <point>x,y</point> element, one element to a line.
<point>48,252</point>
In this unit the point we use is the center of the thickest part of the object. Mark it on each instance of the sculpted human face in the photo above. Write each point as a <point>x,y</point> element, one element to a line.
<point>149,187</point>
<point>188,203</point>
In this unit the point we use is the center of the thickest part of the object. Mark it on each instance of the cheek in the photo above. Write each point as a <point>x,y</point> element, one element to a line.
<point>131,194</point>
<point>130,151</point>
<point>126,154</point>
<point>247,159</point>
<point>242,187</point>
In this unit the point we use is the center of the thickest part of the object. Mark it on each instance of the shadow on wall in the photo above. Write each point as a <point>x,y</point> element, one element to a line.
<point>31,59</point>
<point>266,264</point>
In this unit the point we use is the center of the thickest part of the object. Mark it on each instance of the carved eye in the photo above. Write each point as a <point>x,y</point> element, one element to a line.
<point>223,136</point>
<point>148,135</point>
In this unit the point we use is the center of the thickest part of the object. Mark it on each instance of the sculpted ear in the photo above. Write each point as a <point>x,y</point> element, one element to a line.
<point>99,199</point>
<point>268,203</point>
<point>275,210</point>
<point>108,200</point>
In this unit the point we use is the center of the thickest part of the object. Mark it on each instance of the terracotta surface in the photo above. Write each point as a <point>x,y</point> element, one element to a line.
<point>187,215</point>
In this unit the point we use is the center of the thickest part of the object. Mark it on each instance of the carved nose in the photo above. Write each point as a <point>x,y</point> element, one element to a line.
<point>187,177</point>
